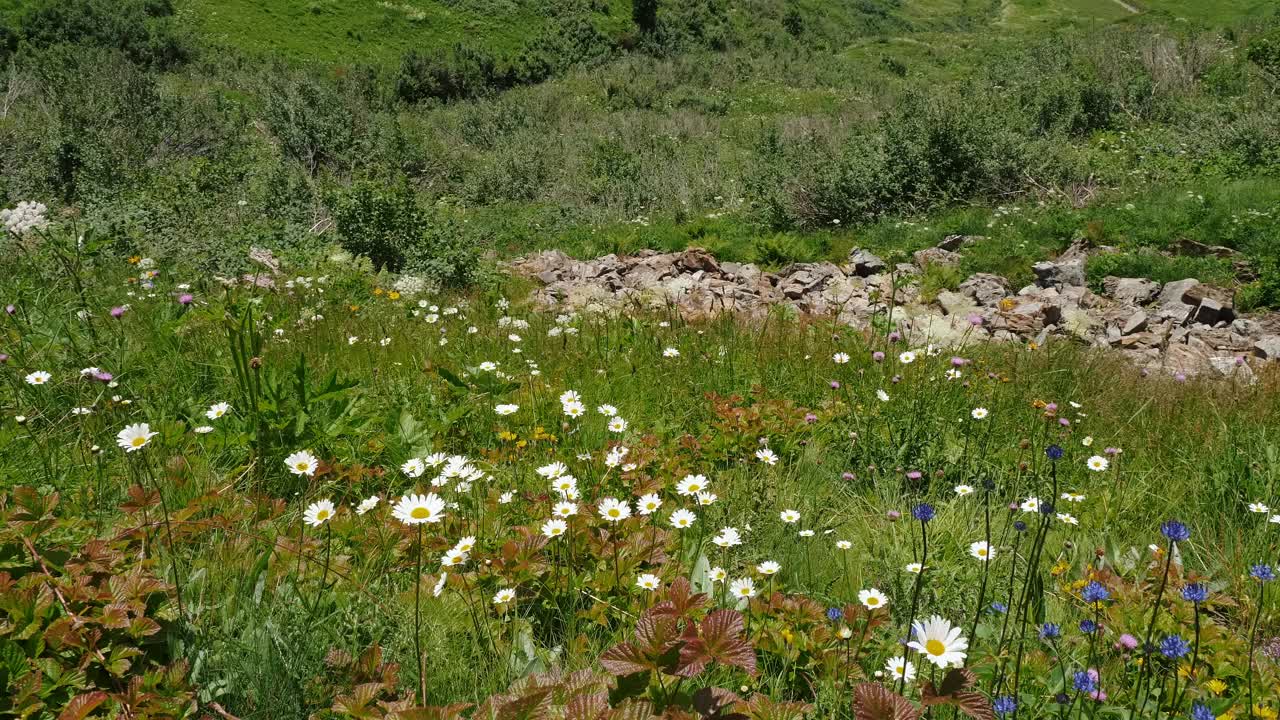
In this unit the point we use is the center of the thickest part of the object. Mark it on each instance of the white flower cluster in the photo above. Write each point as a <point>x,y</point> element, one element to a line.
<point>412,285</point>
<point>27,216</point>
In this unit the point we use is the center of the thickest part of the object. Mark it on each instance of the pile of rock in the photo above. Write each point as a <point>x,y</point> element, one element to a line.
<point>1184,327</point>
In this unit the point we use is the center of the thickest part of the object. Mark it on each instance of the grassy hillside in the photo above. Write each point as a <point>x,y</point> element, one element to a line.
<point>377,31</point>
<point>767,130</point>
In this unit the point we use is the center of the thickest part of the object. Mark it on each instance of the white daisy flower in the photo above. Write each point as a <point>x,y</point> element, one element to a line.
<point>418,509</point>
<point>134,437</point>
<point>872,599</point>
<point>939,642</point>
<point>302,462</point>
<point>318,513</point>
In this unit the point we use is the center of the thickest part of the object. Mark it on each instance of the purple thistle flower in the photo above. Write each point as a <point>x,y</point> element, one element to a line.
<point>877,356</point>
<point>186,299</point>
<point>117,312</point>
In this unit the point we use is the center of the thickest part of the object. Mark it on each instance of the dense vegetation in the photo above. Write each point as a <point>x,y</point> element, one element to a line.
<point>203,510</point>
<point>351,473</point>
<point>768,131</point>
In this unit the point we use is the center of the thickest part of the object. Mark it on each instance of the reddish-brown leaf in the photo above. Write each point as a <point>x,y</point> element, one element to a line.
<point>655,634</point>
<point>82,705</point>
<point>588,706</point>
<point>713,703</point>
<point>875,702</point>
<point>626,659</point>
<point>681,600</point>
<point>761,707</point>
<point>718,638</point>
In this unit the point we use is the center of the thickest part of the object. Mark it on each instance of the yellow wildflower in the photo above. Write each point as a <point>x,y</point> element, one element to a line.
<point>393,295</point>
<point>1215,686</point>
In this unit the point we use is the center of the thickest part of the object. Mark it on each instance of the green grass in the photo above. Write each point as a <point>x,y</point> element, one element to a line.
<point>264,616</point>
<point>369,31</point>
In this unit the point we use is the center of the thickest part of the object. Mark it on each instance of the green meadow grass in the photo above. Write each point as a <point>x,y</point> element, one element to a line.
<point>1198,451</point>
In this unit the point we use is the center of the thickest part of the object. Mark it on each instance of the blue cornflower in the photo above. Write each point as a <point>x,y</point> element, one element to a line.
<point>1175,531</point>
<point>1053,452</point>
<point>1050,631</point>
<point>1200,711</point>
<point>1046,508</point>
<point>1019,526</point>
<point>1195,592</point>
<point>1084,682</point>
<point>1088,627</point>
<point>988,484</point>
<point>1004,705</point>
<point>922,512</point>
<point>1094,592</point>
<point>999,608</point>
<point>1263,572</point>
<point>1174,647</point>
<point>835,614</point>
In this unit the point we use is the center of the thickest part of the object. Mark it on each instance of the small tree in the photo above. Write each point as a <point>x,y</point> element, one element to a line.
<point>645,15</point>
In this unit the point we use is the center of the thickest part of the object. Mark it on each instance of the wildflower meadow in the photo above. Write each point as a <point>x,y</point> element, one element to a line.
<point>305,493</point>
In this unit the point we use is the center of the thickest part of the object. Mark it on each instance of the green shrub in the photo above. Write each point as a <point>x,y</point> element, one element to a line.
<point>146,31</point>
<point>379,223</point>
<point>388,226</point>
<point>1158,267</point>
<point>1264,51</point>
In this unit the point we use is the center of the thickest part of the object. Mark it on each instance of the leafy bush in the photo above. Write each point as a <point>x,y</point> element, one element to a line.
<point>379,223</point>
<point>388,226</point>
<point>462,72</point>
<point>146,31</point>
<point>1146,263</point>
<point>1264,51</point>
<point>82,627</point>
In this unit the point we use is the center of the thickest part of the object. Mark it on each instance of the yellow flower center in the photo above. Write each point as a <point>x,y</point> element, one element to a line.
<point>982,552</point>
<point>139,441</point>
<point>301,466</point>
<point>322,515</point>
<point>420,513</point>
<point>935,647</point>
<point>614,513</point>
<point>873,601</point>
